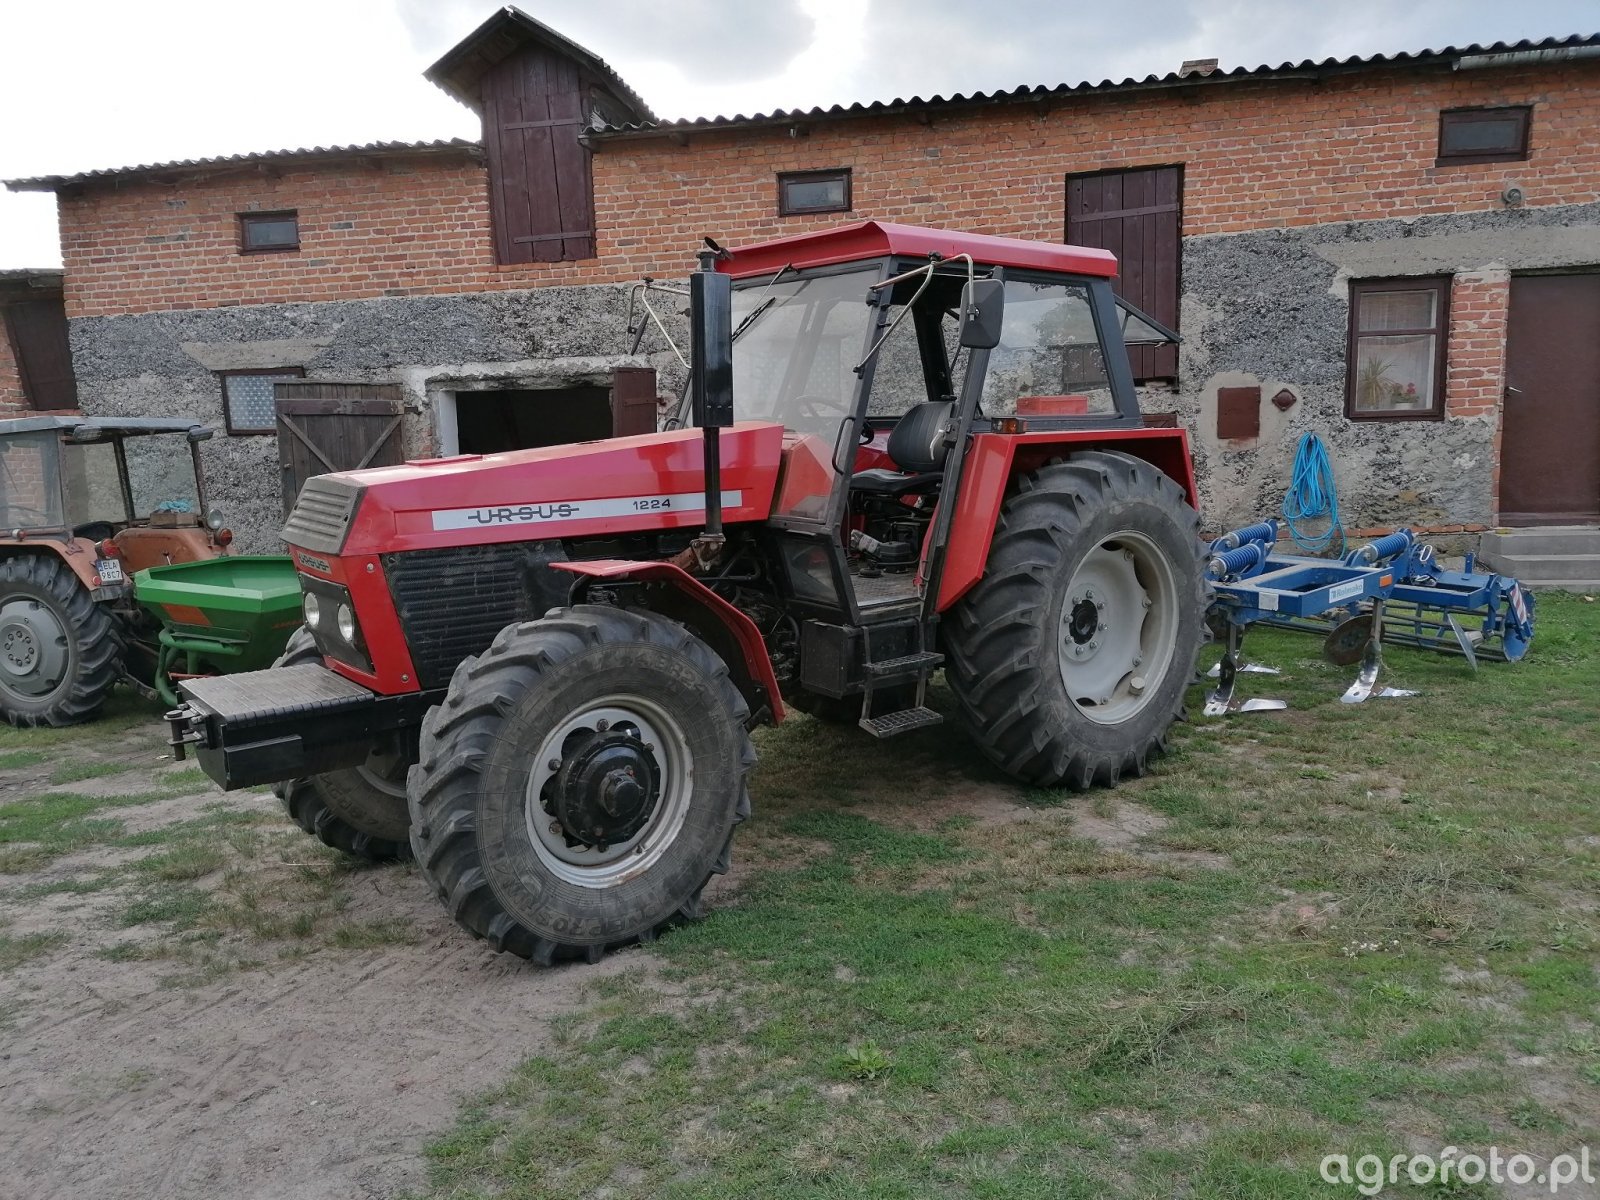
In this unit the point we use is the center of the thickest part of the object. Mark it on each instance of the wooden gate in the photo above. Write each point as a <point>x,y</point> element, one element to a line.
<point>326,427</point>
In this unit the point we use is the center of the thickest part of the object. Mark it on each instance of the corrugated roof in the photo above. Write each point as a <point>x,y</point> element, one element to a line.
<point>51,183</point>
<point>1546,50</point>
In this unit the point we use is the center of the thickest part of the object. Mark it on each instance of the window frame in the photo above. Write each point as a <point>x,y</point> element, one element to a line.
<point>1450,116</point>
<point>247,219</point>
<point>843,174</point>
<point>1440,285</point>
<point>227,412</point>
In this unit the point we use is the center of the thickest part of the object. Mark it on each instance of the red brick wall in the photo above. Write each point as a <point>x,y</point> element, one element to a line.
<point>1256,155</point>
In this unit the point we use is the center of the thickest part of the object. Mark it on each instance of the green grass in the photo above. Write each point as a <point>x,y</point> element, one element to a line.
<point>1353,929</point>
<point>14,951</point>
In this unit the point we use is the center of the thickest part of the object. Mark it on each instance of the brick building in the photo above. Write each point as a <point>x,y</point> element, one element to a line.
<point>1400,253</point>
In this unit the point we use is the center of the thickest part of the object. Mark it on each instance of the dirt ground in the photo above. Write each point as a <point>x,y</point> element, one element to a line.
<point>320,1076</point>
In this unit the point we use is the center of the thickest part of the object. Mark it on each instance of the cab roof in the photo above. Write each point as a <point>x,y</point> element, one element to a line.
<point>863,240</point>
<point>100,429</point>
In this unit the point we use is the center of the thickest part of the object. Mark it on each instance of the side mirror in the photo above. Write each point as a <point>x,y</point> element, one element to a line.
<point>711,368</point>
<point>983,305</point>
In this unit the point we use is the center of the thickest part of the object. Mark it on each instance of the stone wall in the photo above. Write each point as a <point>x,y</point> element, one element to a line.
<point>1271,308</point>
<point>163,364</point>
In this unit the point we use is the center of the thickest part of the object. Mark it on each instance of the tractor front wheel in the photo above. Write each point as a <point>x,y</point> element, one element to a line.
<point>1070,658</point>
<point>359,810</point>
<point>60,652</point>
<point>581,782</point>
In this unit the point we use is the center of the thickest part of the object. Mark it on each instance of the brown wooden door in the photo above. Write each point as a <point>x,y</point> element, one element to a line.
<point>326,427</point>
<point>633,401</point>
<point>1138,216</point>
<point>38,332</point>
<point>1550,444</point>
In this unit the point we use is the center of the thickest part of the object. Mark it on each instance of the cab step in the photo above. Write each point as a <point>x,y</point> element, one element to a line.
<point>908,664</point>
<point>904,721</point>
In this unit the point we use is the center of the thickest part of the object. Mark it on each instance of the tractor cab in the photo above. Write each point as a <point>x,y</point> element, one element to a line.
<point>879,347</point>
<point>124,492</point>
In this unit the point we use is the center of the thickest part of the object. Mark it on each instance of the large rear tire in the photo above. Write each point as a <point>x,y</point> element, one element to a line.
<point>1070,658</point>
<point>359,810</point>
<point>60,652</point>
<point>581,782</point>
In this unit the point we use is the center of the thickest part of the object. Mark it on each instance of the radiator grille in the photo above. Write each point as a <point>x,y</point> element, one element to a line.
<point>452,602</point>
<point>321,517</point>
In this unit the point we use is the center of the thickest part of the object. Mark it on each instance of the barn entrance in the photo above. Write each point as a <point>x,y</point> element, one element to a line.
<point>483,418</point>
<point>520,419</point>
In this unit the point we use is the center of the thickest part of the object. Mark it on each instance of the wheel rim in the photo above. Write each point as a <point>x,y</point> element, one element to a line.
<point>35,652</point>
<point>609,791</point>
<point>1117,628</point>
<point>385,771</point>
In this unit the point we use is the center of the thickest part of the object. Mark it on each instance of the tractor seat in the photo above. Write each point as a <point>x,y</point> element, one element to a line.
<point>917,447</point>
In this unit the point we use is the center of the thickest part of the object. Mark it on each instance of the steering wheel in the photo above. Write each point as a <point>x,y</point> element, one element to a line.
<point>807,405</point>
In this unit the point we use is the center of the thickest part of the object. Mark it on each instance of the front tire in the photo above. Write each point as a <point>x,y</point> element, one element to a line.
<point>60,652</point>
<point>581,782</point>
<point>359,810</point>
<point>1070,658</point>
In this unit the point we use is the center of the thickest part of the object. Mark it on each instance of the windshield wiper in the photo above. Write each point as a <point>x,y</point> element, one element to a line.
<point>766,301</point>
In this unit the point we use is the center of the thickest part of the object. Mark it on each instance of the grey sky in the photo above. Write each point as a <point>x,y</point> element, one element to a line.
<point>101,83</point>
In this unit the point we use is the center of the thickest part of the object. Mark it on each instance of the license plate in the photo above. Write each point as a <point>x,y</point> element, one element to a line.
<point>109,570</point>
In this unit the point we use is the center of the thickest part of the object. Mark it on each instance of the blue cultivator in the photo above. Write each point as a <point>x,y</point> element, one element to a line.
<point>1390,590</point>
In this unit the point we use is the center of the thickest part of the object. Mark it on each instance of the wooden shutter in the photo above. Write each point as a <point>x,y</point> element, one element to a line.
<point>633,401</point>
<point>1138,216</point>
<point>326,427</point>
<point>37,328</point>
<point>540,192</point>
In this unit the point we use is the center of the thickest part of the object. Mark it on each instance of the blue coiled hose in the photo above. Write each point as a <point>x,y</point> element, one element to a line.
<point>1313,496</point>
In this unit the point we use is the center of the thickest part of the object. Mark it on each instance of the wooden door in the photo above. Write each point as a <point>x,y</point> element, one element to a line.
<point>326,427</point>
<point>37,329</point>
<point>633,401</point>
<point>1138,216</point>
<point>1550,443</point>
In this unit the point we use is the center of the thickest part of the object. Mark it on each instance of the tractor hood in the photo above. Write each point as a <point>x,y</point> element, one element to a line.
<point>588,489</point>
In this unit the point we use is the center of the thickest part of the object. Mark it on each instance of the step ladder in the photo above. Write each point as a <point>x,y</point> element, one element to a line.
<point>902,669</point>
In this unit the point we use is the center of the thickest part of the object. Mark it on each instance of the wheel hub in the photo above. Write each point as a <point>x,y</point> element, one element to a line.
<point>1082,624</point>
<point>605,792</point>
<point>34,652</point>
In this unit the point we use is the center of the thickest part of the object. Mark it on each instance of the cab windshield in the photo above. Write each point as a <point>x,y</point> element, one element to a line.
<point>796,347</point>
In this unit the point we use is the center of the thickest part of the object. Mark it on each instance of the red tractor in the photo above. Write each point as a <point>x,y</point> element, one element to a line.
<point>539,670</point>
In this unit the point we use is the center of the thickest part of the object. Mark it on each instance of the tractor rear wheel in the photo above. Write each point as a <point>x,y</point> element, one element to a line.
<point>60,652</point>
<point>359,810</point>
<point>1070,658</point>
<point>581,782</point>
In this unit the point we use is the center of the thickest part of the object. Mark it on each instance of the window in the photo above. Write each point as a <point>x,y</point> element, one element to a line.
<point>1482,135</point>
<point>801,192</point>
<point>261,233</point>
<point>1049,348</point>
<point>247,401</point>
<point>1397,341</point>
<point>1138,216</point>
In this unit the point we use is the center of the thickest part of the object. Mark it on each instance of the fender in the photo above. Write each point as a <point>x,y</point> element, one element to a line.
<point>994,459</point>
<point>677,594</point>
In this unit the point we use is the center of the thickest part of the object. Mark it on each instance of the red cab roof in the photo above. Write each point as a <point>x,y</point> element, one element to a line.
<point>875,239</point>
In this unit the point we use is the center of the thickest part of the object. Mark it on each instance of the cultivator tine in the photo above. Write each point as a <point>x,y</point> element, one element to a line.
<point>1220,702</point>
<point>1366,684</point>
<point>1462,640</point>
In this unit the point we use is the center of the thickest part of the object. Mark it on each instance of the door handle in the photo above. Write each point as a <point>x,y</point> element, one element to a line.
<point>1512,391</point>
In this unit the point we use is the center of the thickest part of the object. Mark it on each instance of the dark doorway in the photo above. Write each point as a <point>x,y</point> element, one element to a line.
<point>514,419</point>
<point>1550,441</point>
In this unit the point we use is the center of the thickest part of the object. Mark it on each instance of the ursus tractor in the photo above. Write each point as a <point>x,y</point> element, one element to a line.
<point>903,450</point>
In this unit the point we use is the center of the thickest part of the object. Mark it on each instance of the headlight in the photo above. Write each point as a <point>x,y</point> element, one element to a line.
<point>347,623</point>
<point>213,520</point>
<point>312,609</point>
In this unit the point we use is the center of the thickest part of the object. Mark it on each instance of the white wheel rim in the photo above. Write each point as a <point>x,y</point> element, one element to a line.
<point>1118,624</point>
<point>575,862</point>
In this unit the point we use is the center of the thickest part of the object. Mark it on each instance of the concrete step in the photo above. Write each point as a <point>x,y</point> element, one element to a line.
<point>1548,568</point>
<point>1554,539</point>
